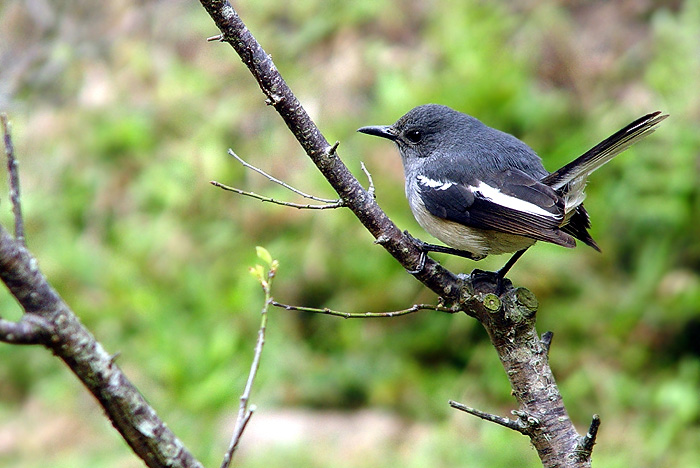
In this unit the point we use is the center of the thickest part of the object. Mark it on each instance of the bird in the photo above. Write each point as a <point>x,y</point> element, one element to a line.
<point>484,192</point>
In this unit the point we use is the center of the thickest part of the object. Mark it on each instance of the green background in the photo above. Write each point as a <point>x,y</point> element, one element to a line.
<point>122,113</point>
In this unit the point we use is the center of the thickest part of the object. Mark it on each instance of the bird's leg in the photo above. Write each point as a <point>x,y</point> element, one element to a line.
<point>449,250</point>
<point>423,253</point>
<point>509,264</point>
<point>424,247</point>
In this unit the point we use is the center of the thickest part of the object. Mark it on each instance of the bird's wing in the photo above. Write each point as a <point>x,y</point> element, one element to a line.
<point>510,202</point>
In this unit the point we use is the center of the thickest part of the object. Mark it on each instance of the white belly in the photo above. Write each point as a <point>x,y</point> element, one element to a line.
<point>477,241</point>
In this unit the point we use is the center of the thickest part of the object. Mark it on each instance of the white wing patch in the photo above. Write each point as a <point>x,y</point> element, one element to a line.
<point>500,198</point>
<point>434,184</point>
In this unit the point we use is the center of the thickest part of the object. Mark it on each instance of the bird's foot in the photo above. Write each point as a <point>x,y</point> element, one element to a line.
<point>422,246</point>
<point>488,281</point>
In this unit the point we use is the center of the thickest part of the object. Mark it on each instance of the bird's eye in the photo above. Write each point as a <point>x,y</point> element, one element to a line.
<point>414,136</point>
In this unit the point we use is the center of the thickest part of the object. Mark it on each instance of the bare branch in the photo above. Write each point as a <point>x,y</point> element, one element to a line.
<point>517,425</point>
<point>13,172</point>
<point>349,315</point>
<point>244,412</point>
<point>283,184</point>
<point>328,206</point>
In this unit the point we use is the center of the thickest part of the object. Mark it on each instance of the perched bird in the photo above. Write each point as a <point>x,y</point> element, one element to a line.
<point>482,191</point>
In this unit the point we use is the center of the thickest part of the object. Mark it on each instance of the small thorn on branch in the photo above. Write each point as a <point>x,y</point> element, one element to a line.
<point>332,149</point>
<point>218,37</point>
<point>370,189</point>
<point>585,444</point>
<point>546,341</point>
<point>273,99</point>
<point>518,425</point>
<point>382,239</point>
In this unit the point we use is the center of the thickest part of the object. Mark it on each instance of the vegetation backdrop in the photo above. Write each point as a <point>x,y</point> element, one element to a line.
<point>122,114</point>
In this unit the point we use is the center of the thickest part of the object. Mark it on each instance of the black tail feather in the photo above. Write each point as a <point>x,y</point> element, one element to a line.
<point>604,151</point>
<point>578,226</point>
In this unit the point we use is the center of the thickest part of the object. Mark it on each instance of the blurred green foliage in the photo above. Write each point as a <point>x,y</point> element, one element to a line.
<point>122,113</point>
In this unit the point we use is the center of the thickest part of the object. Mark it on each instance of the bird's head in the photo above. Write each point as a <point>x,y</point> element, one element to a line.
<point>424,131</point>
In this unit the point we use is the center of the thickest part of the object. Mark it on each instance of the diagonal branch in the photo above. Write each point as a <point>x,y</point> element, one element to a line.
<point>147,435</point>
<point>48,321</point>
<point>323,154</point>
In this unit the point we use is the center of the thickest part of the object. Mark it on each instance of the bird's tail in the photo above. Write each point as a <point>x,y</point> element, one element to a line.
<point>570,180</point>
<point>576,172</point>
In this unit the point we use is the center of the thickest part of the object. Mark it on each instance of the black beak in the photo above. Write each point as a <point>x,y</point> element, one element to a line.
<point>384,131</point>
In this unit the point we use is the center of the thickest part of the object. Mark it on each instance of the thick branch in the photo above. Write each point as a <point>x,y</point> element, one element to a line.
<point>50,322</point>
<point>510,323</point>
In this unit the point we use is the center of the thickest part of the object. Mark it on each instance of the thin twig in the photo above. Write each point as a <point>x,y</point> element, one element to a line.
<point>244,411</point>
<point>13,172</point>
<point>370,189</point>
<point>349,315</point>
<point>277,181</point>
<point>517,424</point>
<point>301,206</point>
